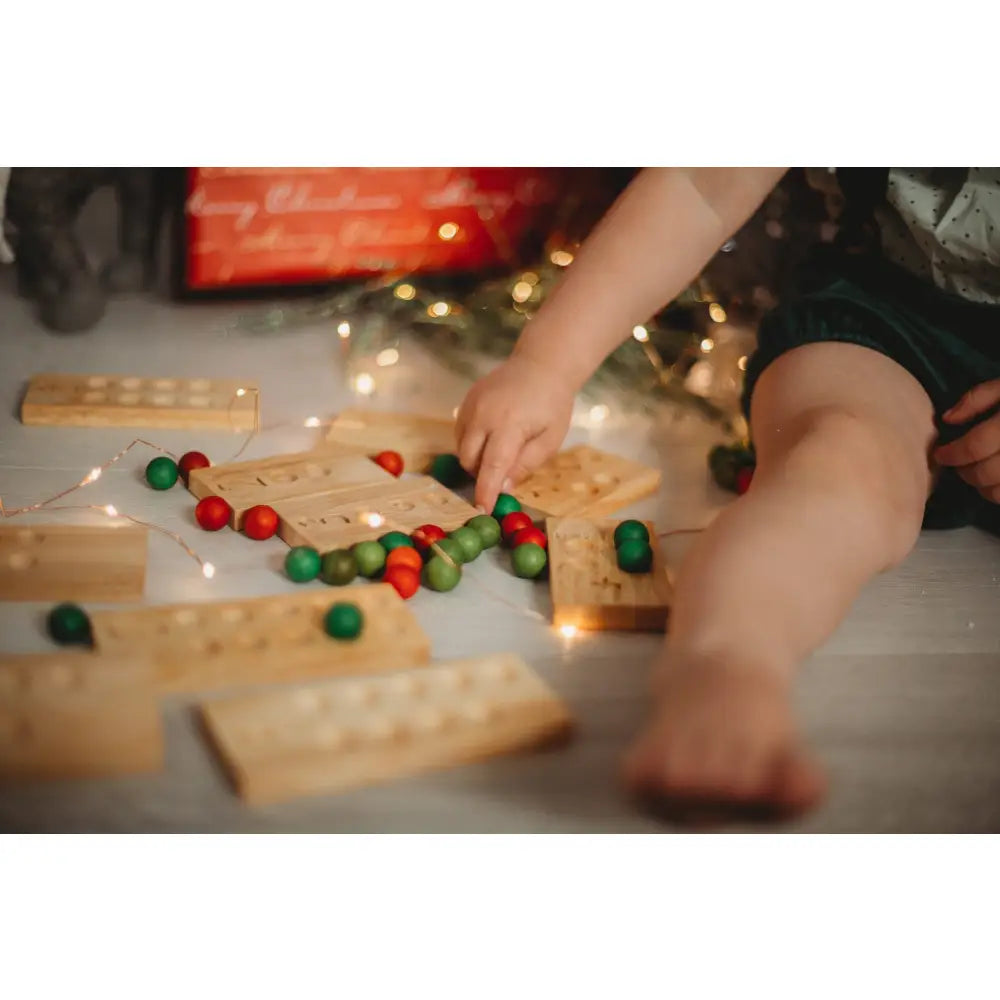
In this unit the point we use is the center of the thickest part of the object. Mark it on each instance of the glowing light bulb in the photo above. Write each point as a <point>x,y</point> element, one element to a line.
<point>364,384</point>
<point>599,413</point>
<point>561,258</point>
<point>92,475</point>
<point>530,277</point>
<point>312,422</point>
<point>568,631</point>
<point>454,413</point>
<point>521,292</point>
<point>707,345</point>
<point>110,510</point>
<point>241,392</point>
<point>208,570</point>
<point>373,520</point>
<point>405,292</point>
<point>387,357</point>
<point>344,329</point>
<point>717,313</point>
<point>640,333</point>
<point>448,231</point>
<point>742,363</point>
<point>438,309</point>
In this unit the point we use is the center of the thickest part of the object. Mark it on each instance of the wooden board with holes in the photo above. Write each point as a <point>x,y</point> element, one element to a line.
<point>339,520</point>
<point>585,482</point>
<point>63,562</point>
<point>300,474</point>
<point>338,735</point>
<point>588,589</point>
<point>263,640</point>
<point>139,401</point>
<point>418,439</point>
<point>76,715</point>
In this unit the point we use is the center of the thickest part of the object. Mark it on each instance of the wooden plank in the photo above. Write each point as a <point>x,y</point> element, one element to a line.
<point>323,471</point>
<point>62,562</point>
<point>76,715</point>
<point>339,735</point>
<point>588,589</point>
<point>339,520</point>
<point>585,482</point>
<point>418,439</point>
<point>139,401</point>
<point>264,640</point>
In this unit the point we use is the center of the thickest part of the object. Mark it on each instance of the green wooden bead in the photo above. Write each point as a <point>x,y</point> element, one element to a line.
<point>344,621</point>
<point>488,529</point>
<point>469,542</point>
<point>340,567</point>
<point>394,540</point>
<point>529,560</point>
<point>448,471</point>
<point>631,530</point>
<point>506,504</point>
<point>635,556</point>
<point>162,473</point>
<point>302,564</point>
<point>441,575</point>
<point>452,548</point>
<point>370,557</point>
<point>69,625</point>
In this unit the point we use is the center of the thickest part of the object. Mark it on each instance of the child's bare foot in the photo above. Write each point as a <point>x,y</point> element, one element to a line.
<point>722,744</point>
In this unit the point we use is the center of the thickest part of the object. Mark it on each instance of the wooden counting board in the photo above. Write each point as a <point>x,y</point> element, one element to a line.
<point>418,439</point>
<point>75,715</point>
<point>268,480</point>
<point>60,562</point>
<point>339,520</point>
<point>338,735</point>
<point>588,589</point>
<point>263,640</point>
<point>585,482</point>
<point>135,401</point>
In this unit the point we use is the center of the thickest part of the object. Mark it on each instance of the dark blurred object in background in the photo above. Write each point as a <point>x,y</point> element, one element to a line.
<point>52,266</point>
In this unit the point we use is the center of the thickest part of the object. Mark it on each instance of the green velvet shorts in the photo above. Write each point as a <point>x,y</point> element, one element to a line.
<point>946,343</point>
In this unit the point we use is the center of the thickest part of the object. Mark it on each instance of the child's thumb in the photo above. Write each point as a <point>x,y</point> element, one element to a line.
<point>977,400</point>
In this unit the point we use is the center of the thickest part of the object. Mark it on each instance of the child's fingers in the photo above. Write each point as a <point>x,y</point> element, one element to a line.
<point>501,450</point>
<point>975,445</point>
<point>533,454</point>
<point>977,400</point>
<point>470,449</point>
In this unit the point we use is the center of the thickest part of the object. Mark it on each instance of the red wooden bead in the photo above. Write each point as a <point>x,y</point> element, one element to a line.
<point>404,556</point>
<point>426,535</point>
<point>743,479</point>
<point>531,534</point>
<point>192,460</point>
<point>391,461</point>
<point>513,522</point>
<point>260,522</point>
<point>212,513</point>
<point>405,579</point>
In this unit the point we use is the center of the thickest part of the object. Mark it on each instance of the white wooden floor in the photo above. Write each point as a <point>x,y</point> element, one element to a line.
<point>903,704</point>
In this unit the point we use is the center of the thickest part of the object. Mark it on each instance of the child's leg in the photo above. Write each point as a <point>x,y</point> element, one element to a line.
<point>842,436</point>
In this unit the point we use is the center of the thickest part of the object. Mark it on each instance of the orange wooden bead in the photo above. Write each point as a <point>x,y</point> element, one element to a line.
<point>404,556</point>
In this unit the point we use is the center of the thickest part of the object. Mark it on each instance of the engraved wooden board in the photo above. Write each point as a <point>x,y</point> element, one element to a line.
<point>338,735</point>
<point>62,562</point>
<point>588,589</point>
<point>263,640</point>
<point>75,715</point>
<point>341,519</point>
<point>300,474</point>
<point>137,401</point>
<point>585,482</point>
<point>418,439</point>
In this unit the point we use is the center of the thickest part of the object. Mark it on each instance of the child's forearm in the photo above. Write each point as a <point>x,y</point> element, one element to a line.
<point>652,243</point>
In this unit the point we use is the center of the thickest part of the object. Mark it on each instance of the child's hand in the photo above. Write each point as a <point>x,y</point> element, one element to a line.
<point>510,422</point>
<point>975,456</point>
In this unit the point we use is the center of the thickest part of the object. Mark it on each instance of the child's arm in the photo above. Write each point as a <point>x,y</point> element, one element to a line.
<point>652,243</point>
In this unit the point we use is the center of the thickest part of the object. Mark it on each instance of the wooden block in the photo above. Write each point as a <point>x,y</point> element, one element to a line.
<point>76,715</point>
<point>588,589</point>
<point>585,482</point>
<point>263,640</point>
<point>62,562</point>
<point>341,519</point>
<point>301,474</point>
<point>345,734</point>
<point>136,401</point>
<point>418,439</point>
